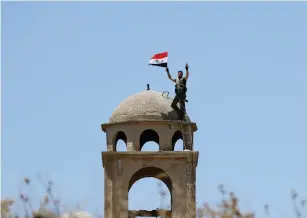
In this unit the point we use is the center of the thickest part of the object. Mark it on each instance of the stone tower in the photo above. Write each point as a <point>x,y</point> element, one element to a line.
<point>142,117</point>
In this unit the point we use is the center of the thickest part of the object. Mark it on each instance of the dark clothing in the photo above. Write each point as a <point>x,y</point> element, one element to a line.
<point>180,90</point>
<point>180,85</point>
<point>181,99</point>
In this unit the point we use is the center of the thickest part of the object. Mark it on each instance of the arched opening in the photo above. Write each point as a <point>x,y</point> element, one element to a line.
<point>149,140</point>
<point>149,193</point>
<point>177,141</point>
<point>120,141</point>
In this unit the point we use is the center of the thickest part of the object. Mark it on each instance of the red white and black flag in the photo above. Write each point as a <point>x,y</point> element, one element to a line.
<point>159,60</point>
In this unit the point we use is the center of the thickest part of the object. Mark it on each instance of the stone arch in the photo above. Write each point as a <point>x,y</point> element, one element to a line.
<point>119,136</point>
<point>154,172</point>
<point>157,173</point>
<point>147,136</point>
<point>177,136</point>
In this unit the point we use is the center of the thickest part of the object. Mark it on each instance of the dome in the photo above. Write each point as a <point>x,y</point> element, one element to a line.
<point>146,105</point>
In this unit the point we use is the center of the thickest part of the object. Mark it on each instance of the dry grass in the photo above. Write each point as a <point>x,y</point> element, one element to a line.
<point>228,208</point>
<point>42,211</point>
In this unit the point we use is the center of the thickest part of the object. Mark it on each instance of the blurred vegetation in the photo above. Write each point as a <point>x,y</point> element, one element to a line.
<point>50,207</point>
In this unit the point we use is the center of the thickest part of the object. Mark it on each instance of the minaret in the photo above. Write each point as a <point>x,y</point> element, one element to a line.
<point>143,117</point>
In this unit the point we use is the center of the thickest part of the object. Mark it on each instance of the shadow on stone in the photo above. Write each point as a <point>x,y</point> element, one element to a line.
<point>172,115</point>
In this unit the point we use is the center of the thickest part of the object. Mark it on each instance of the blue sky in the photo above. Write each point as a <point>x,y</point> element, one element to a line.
<point>66,66</point>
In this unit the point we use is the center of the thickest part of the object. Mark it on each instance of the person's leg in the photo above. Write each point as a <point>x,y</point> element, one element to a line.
<point>175,107</point>
<point>182,106</point>
<point>182,109</point>
<point>175,102</point>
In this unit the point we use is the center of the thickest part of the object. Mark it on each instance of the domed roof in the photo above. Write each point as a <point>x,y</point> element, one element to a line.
<point>146,105</point>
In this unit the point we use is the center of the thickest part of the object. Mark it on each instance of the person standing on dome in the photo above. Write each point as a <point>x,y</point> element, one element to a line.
<point>180,91</point>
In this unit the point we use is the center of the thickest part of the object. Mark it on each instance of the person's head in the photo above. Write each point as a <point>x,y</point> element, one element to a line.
<point>180,74</point>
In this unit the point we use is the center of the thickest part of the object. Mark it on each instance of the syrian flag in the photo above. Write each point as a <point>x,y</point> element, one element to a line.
<point>159,60</point>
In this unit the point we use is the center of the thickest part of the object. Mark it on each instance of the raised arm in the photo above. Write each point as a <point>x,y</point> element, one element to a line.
<point>187,72</point>
<point>169,75</point>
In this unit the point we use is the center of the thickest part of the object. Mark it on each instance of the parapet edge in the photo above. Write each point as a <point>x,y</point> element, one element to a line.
<point>150,155</point>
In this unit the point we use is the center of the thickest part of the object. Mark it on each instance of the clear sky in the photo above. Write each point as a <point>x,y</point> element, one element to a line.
<point>66,66</point>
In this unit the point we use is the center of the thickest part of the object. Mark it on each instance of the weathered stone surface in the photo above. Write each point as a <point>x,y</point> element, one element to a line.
<point>150,213</point>
<point>146,105</point>
<point>144,117</point>
<point>46,213</point>
<point>169,167</point>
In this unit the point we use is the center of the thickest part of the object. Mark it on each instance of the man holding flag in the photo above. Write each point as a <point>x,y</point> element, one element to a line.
<point>180,91</point>
<point>180,83</point>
